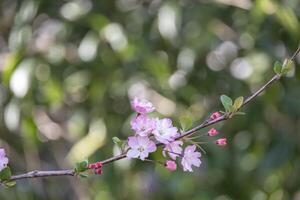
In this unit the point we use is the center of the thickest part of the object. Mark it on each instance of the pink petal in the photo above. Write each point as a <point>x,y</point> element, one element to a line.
<point>151,147</point>
<point>132,141</point>
<point>144,155</point>
<point>133,153</point>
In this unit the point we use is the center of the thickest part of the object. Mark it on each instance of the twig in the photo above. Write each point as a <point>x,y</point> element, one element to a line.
<point>36,173</point>
<point>208,122</point>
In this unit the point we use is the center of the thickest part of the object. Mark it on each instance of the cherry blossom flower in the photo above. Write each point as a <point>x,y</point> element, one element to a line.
<point>173,149</point>
<point>140,147</point>
<point>142,106</point>
<point>3,159</point>
<point>215,115</point>
<point>191,157</point>
<point>221,142</point>
<point>171,165</point>
<point>213,132</point>
<point>142,125</point>
<point>164,131</point>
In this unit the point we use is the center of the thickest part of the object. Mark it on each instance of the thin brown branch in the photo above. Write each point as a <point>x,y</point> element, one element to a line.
<point>36,174</point>
<point>208,122</point>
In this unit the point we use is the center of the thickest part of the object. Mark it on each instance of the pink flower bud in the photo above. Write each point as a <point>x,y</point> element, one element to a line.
<point>215,115</point>
<point>171,165</point>
<point>96,165</point>
<point>213,132</point>
<point>92,166</point>
<point>98,171</point>
<point>221,142</point>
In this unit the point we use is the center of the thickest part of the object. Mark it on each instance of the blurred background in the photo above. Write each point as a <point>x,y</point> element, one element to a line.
<point>69,69</point>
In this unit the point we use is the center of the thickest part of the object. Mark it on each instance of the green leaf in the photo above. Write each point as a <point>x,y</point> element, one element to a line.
<point>287,66</point>
<point>81,166</point>
<point>240,113</point>
<point>116,140</point>
<point>5,174</point>
<point>186,122</point>
<point>82,175</point>
<point>10,183</point>
<point>227,103</point>
<point>277,67</point>
<point>238,102</point>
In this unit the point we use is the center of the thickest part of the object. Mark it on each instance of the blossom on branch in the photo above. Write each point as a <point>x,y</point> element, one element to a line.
<point>142,106</point>
<point>191,157</point>
<point>171,165</point>
<point>173,149</point>
<point>213,132</point>
<point>164,131</point>
<point>215,115</point>
<point>142,125</point>
<point>3,159</point>
<point>221,142</point>
<point>140,147</point>
<point>97,167</point>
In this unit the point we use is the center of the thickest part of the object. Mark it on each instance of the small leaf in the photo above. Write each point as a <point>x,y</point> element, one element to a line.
<point>10,183</point>
<point>5,174</point>
<point>240,113</point>
<point>81,166</point>
<point>277,67</point>
<point>82,175</point>
<point>186,122</point>
<point>287,66</point>
<point>227,102</point>
<point>116,140</point>
<point>238,102</point>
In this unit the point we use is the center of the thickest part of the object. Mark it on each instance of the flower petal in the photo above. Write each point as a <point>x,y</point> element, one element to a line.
<point>133,153</point>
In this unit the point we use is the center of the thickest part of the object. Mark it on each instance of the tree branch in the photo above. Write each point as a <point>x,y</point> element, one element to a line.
<point>37,173</point>
<point>208,122</point>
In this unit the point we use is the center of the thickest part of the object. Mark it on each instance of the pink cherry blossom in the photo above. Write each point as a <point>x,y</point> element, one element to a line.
<point>171,165</point>
<point>164,131</point>
<point>173,149</point>
<point>142,125</point>
<point>142,106</point>
<point>140,147</point>
<point>213,132</point>
<point>191,157</point>
<point>215,115</point>
<point>3,159</point>
<point>221,142</point>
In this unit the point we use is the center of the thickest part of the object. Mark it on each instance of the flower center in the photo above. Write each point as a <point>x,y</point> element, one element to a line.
<point>141,149</point>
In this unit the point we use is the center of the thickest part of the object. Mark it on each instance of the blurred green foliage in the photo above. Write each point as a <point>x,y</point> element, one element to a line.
<point>69,68</point>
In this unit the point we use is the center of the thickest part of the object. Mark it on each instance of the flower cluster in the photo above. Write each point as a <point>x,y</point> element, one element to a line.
<point>3,159</point>
<point>151,131</point>
<point>97,167</point>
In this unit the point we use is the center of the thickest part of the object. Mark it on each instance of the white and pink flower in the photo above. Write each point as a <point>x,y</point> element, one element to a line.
<point>164,131</point>
<point>191,157</point>
<point>173,149</point>
<point>140,147</point>
<point>142,125</point>
<point>3,159</point>
<point>142,106</point>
